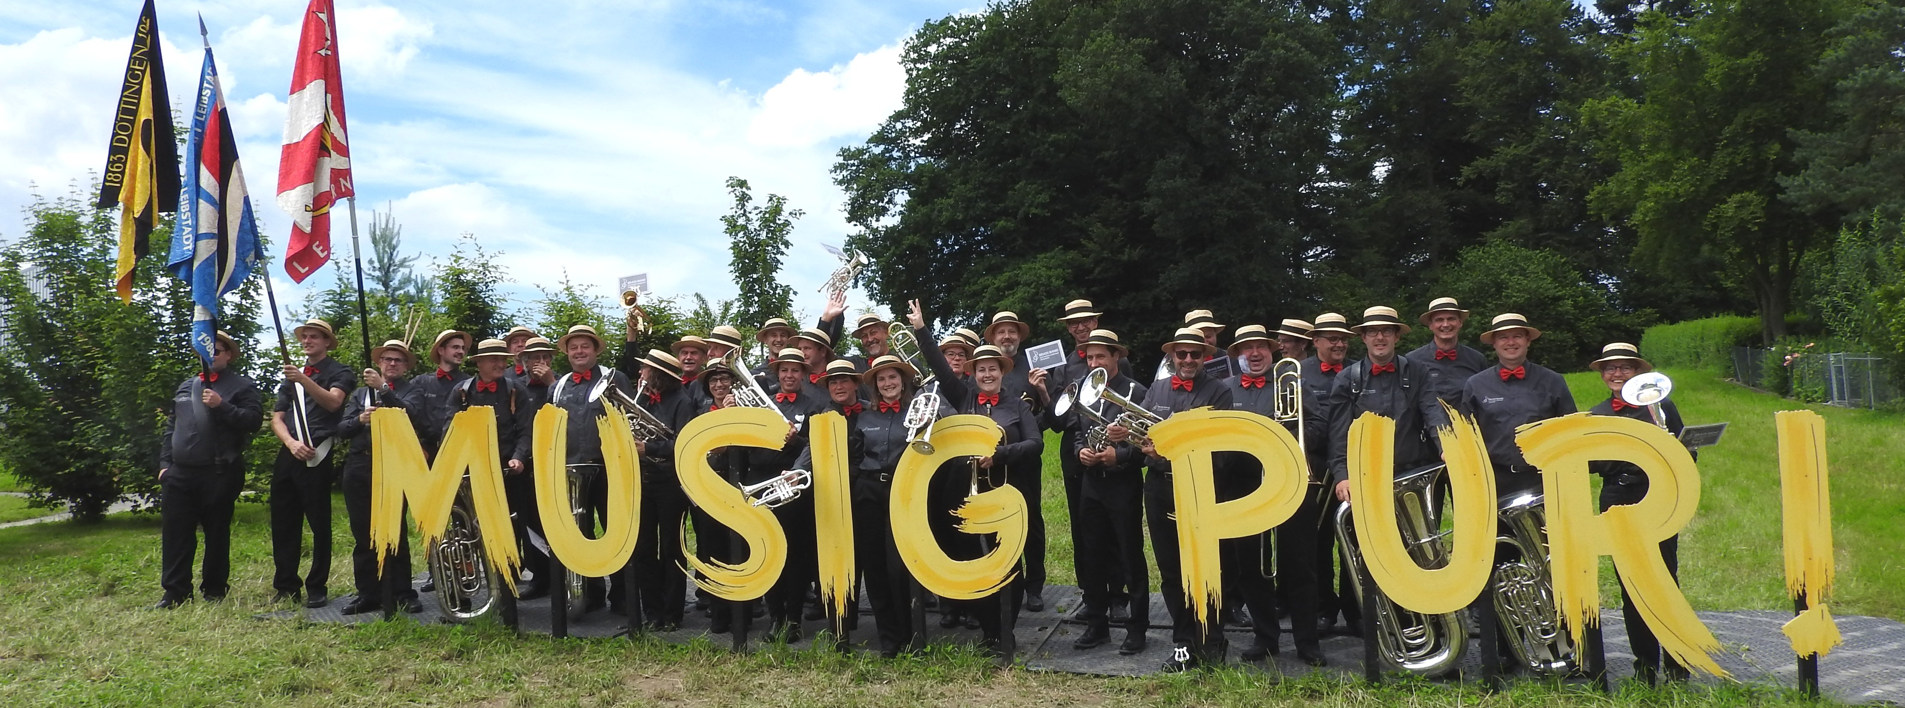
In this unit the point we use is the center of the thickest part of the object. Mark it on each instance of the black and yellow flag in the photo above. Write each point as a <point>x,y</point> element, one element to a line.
<point>142,167</point>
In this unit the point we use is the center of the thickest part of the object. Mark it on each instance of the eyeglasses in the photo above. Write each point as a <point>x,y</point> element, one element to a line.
<point>1186,354</point>
<point>394,360</point>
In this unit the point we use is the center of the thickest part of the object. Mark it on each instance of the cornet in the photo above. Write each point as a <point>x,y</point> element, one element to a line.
<point>1134,418</point>
<point>850,265</point>
<point>637,317</point>
<point>923,411</point>
<point>783,488</point>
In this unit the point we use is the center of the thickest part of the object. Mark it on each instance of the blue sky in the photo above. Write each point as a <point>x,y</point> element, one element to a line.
<point>591,137</point>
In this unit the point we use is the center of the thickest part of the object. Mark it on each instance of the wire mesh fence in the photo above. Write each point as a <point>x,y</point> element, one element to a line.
<point>1849,379</point>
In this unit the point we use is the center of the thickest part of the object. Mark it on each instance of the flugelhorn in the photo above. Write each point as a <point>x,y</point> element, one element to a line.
<point>851,264</point>
<point>1134,418</point>
<point>637,317</point>
<point>923,411</point>
<point>783,488</point>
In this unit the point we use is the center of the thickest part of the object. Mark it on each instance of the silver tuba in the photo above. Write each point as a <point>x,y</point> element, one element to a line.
<point>1429,645</point>
<point>783,488</point>
<point>923,411</point>
<point>1135,418</point>
<point>851,263</point>
<point>1524,588</point>
<point>465,586</point>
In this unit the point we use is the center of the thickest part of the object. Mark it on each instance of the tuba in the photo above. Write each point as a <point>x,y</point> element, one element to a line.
<point>1429,645</point>
<point>465,588</point>
<point>637,317</point>
<point>1135,418</point>
<point>1524,588</point>
<point>851,264</point>
<point>923,411</point>
<point>645,425</point>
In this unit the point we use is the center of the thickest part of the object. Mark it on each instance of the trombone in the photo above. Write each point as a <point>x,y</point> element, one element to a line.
<point>1287,407</point>
<point>1135,418</point>
<point>923,411</point>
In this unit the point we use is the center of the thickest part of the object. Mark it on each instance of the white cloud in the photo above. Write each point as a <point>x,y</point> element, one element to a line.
<point>807,107</point>
<point>379,41</point>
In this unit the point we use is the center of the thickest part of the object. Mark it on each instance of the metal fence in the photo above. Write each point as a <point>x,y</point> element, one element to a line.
<point>1849,379</point>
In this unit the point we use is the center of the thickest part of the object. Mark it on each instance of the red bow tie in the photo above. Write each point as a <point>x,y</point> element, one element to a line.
<point>990,399</point>
<point>853,409</point>
<point>519,369</point>
<point>1620,405</point>
<point>653,397</point>
<point>486,387</point>
<point>1519,372</point>
<point>310,371</point>
<point>1079,352</point>
<point>209,377</point>
<point>786,397</point>
<point>714,408</point>
<point>443,375</point>
<point>1380,369</point>
<point>1447,354</point>
<point>1329,368</point>
<point>893,407</point>
<point>581,376</point>
<point>1178,384</point>
<point>685,380</point>
<point>1249,381</point>
<point>815,378</point>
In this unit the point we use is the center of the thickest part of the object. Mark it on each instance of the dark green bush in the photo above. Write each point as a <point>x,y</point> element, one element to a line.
<point>1699,344</point>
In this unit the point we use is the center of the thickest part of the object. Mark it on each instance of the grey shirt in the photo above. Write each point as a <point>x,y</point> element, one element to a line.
<point>1402,396</point>
<point>1446,377</point>
<point>1499,407</point>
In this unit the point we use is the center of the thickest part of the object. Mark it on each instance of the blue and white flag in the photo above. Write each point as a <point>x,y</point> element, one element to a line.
<point>215,242</point>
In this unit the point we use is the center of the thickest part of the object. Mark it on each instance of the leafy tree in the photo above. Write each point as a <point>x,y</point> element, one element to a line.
<point>392,273</point>
<point>85,380</point>
<point>1575,314</point>
<point>467,289</point>
<point>1703,143</point>
<point>758,241</point>
<point>1855,163</point>
<point>568,305</point>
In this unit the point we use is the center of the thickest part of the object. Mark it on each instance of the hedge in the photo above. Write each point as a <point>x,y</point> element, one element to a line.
<point>1699,344</point>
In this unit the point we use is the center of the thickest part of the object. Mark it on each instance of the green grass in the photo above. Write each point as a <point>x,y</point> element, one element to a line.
<point>77,631</point>
<point>8,482</point>
<point>18,508</point>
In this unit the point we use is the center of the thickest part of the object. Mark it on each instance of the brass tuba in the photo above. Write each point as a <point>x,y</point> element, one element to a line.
<point>1429,645</point>
<point>747,390</point>
<point>1524,588</point>
<point>465,586</point>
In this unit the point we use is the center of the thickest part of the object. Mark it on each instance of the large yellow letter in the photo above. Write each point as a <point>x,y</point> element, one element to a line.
<point>399,475</point>
<point>1578,537</point>
<point>1372,479</point>
<point>598,557</point>
<point>766,540</point>
<point>1188,439</point>
<point>1000,511</point>
<point>1807,513</point>
<point>833,508</point>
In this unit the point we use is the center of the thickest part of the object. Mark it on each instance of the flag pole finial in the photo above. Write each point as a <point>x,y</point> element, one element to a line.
<point>202,34</point>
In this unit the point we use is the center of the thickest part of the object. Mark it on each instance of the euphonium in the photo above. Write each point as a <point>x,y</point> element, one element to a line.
<point>923,411</point>
<point>1429,645</point>
<point>1524,588</point>
<point>783,488</point>
<point>460,571</point>
<point>1135,418</point>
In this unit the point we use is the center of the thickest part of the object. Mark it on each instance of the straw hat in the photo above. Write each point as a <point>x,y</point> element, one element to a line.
<point>1007,319</point>
<point>582,330</point>
<point>538,344</point>
<point>1507,321</point>
<point>490,347</point>
<point>955,341</point>
<point>988,353</point>
<point>841,367</point>
<point>687,341</point>
<point>319,326</point>
<point>664,362</point>
<point>1252,333</point>
<point>232,345</point>
<point>1078,310</point>
<point>1201,320</point>
<point>1190,336</point>
<point>1330,322</point>
<point>789,355</point>
<point>725,335</point>
<point>1381,316</point>
<point>443,337</point>
<point>887,361</point>
<point>772,324</point>
<point>1443,304</point>
<point>518,331</point>
<point>868,320</point>
<point>816,336</point>
<point>1108,338</point>
<point>1294,328</point>
<point>1620,351</point>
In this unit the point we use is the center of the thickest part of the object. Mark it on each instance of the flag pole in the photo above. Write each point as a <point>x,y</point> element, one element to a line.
<point>205,363</point>
<point>363,313</point>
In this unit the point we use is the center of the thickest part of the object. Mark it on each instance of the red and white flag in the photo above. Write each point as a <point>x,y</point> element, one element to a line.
<point>314,170</point>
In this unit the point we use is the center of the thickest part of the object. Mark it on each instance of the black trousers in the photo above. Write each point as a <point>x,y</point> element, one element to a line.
<point>884,577</point>
<point>1646,646</point>
<point>192,498</point>
<point>786,599</point>
<point>1240,560</point>
<point>1089,551</point>
<point>357,493</point>
<point>520,491</point>
<point>300,495</point>
<point>658,560</point>
<point>964,546</point>
<point>1115,522</point>
<point>594,521</point>
<point>1296,573</point>
<point>1028,477</point>
<point>1335,592</point>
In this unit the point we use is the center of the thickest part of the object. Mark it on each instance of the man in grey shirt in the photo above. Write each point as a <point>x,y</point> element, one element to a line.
<point>1513,393</point>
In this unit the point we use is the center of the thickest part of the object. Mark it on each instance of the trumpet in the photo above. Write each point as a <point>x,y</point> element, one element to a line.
<point>645,425</point>
<point>851,264</point>
<point>783,488</point>
<point>747,390</point>
<point>1134,418</point>
<point>637,317</point>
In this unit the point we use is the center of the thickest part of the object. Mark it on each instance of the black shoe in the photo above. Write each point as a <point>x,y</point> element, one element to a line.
<point>972,621</point>
<point>362,604</point>
<point>285,596</point>
<point>721,623</point>
<point>1120,612</point>
<point>1096,635</point>
<point>1034,601</point>
<point>1258,650</point>
<point>171,603</point>
<point>1133,643</point>
<point>950,620</point>
<point>532,590</point>
<point>1325,624</point>
<point>410,605</point>
<point>616,608</point>
<point>1181,660</point>
<point>318,599</point>
<point>755,610</point>
<point>1353,628</point>
<point>814,612</point>
<point>429,584</point>
<point>1241,618</point>
<point>214,597</point>
<point>1313,657</point>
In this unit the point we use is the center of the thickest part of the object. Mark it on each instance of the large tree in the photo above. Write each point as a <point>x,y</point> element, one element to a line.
<point>1855,163</point>
<point>758,241</point>
<point>1705,139</point>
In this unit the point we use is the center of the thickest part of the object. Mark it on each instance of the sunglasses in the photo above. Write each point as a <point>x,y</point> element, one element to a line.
<point>1186,354</point>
